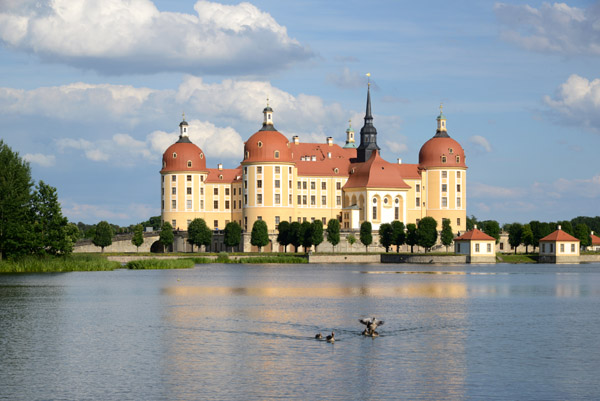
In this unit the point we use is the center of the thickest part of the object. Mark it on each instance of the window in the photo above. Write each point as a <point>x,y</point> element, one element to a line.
<point>189,164</point>
<point>374,212</point>
<point>173,178</point>
<point>189,190</point>
<point>551,248</point>
<point>290,184</point>
<point>188,204</point>
<point>246,184</point>
<point>444,187</point>
<point>396,213</point>
<point>450,150</point>
<point>443,159</point>
<point>216,191</point>
<point>258,183</point>
<point>458,222</point>
<point>323,200</point>
<point>188,222</point>
<point>444,174</point>
<point>174,223</point>
<point>216,205</point>
<point>338,185</point>
<point>572,248</point>
<point>290,199</point>
<point>226,191</point>
<point>173,204</point>
<point>239,204</point>
<point>276,221</point>
<point>174,190</point>
<point>417,202</point>
<point>502,246</point>
<point>277,184</point>
<point>259,199</point>
<point>458,202</point>
<point>323,185</point>
<point>289,170</point>
<point>324,220</point>
<point>201,178</point>
<point>418,188</point>
<point>233,191</point>
<point>245,170</point>
<point>259,144</point>
<point>259,170</point>
<point>258,217</point>
<point>458,174</point>
<point>245,223</point>
<point>162,205</point>
<point>457,187</point>
<point>562,248</point>
<point>277,199</point>
<point>299,185</point>
<point>201,190</point>
<point>174,155</point>
<point>189,178</point>
<point>277,169</point>
<point>163,178</point>
<point>216,224</point>
<point>312,200</point>
<point>312,185</point>
<point>303,184</point>
<point>227,204</point>
<point>489,248</point>
<point>277,154</point>
<point>477,248</point>
<point>444,201</point>
<point>304,199</point>
<point>201,204</point>
<point>338,200</point>
<point>299,199</point>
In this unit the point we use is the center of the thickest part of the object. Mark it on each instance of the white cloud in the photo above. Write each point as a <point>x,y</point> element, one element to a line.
<point>479,190</point>
<point>396,147</point>
<point>347,79</point>
<point>481,142</point>
<point>116,37</point>
<point>551,27</point>
<point>93,213</point>
<point>41,159</point>
<point>577,102</point>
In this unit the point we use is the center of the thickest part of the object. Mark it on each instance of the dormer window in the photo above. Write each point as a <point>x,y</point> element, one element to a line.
<point>164,164</point>
<point>202,155</point>
<point>189,163</point>
<point>174,155</point>
<point>451,150</point>
<point>247,155</point>
<point>458,159</point>
<point>259,144</point>
<point>443,159</point>
<point>277,154</point>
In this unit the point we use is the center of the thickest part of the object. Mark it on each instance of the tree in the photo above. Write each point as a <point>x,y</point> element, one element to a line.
<point>427,232</point>
<point>582,233</point>
<point>50,226</point>
<point>333,232</point>
<point>199,234</point>
<point>73,232</point>
<point>233,234</point>
<point>155,222</point>
<point>385,235</point>
<point>283,234</point>
<point>166,236</point>
<point>471,222</point>
<point>138,237</point>
<point>447,236</point>
<point>260,234</point>
<point>366,234</point>
<point>536,231</point>
<point>398,234</point>
<point>295,235</point>
<point>566,226</point>
<point>491,228</point>
<point>515,233</point>
<point>351,239</point>
<point>103,235</point>
<point>527,237</point>
<point>317,233</point>
<point>306,235</point>
<point>15,197</point>
<point>411,236</point>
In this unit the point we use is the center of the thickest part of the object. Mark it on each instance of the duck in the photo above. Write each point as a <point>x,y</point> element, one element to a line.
<point>371,324</point>
<point>318,336</point>
<point>331,338</point>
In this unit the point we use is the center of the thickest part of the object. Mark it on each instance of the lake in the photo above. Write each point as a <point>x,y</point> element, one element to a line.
<point>246,332</point>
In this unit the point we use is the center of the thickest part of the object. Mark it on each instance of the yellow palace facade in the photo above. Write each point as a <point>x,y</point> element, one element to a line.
<point>280,179</point>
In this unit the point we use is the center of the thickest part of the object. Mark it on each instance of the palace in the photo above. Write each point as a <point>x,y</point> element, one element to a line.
<point>279,179</point>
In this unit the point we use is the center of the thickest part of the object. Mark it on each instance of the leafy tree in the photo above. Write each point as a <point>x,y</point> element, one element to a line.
<point>283,234</point>
<point>566,226</point>
<point>260,234</point>
<point>155,222</point>
<point>306,235</point>
<point>366,234</point>
<point>386,233</point>
<point>199,234</point>
<point>582,233</point>
<point>103,235</point>
<point>593,223</point>
<point>447,236</point>
<point>138,237</point>
<point>411,236</point>
<point>515,233</point>
<point>527,237</point>
<point>50,226</point>
<point>15,197</point>
<point>166,236</point>
<point>295,235</point>
<point>427,232</point>
<point>536,230</point>
<point>232,234</point>
<point>73,232</point>
<point>491,228</point>
<point>351,239</point>
<point>333,232</point>
<point>471,222</point>
<point>545,229</point>
<point>317,233</point>
<point>398,234</point>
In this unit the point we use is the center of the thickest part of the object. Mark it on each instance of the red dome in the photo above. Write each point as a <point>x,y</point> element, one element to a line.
<point>442,151</point>
<point>183,155</point>
<point>267,146</point>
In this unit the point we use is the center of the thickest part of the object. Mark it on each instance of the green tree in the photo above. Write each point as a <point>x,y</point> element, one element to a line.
<point>398,234</point>
<point>491,228</point>
<point>166,236</point>
<point>515,233</point>
<point>199,234</point>
<point>582,233</point>
<point>427,232</point>
<point>103,235</point>
<point>333,232</point>
<point>317,233</point>
<point>73,232</point>
<point>16,223</point>
<point>260,234</point>
<point>566,226</point>
<point>536,230</point>
<point>50,226</point>
<point>471,222</point>
<point>447,236</point>
<point>233,234</point>
<point>366,234</point>
<point>386,233</point>
<point>351,239</point>
<point>283,234</point>
<point>527,237</point>
<point>155,222</point>
<point>295,235</point>
<point>306,235</point>
<point>412,238</point>
<point>138,237</point>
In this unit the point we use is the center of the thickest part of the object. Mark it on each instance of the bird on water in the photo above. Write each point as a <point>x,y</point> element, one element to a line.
<point>318,336</point>
<point>331,338</point>
<point>371,324</point>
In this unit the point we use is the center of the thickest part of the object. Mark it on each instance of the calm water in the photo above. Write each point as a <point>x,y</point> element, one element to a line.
<point>225,332</point>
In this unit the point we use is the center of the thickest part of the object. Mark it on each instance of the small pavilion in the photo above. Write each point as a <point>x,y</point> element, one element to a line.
<point>595,245</point>
<point>559,247</point>
<point>477,245</point>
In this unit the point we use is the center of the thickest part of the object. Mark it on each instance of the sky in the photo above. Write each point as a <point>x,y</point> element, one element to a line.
<point>92,93</point>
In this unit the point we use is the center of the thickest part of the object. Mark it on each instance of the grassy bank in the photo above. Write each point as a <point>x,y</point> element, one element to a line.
<point>75,262</point>
<point>518,258</point>
<point>161,264</point>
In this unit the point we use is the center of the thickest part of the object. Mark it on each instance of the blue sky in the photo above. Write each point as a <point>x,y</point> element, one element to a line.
<point>91,93</point>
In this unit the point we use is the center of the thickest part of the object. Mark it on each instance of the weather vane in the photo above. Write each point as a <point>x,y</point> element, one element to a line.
<point>183,114</point>
<point>368,78</point>
<point>441,107</point>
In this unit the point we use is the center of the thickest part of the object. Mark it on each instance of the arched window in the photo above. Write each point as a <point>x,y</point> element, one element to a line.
<point>189,163</point>
<point>174,155</point>
<point>374,208</point>
<point>277,154</point>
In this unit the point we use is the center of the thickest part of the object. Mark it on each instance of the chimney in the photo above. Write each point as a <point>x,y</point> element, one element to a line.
<point>329,155</point>
<point>220,165</point>
<point>559,227</point>
<point>296,139</point>
<point>475,227</point>
<point>399,161</point>
<point>330,141</point>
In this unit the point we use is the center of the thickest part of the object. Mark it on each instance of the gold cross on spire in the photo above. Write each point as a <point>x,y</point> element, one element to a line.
<point>441,107</point>
<point>183,115</point>
<point>267,101</point>
<point>368,78</point>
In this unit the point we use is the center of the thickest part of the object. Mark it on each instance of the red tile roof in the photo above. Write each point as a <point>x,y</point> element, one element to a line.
<point>559,235</point>
<point>595,240</point>
<point>375,173</point>
<point>228,175</point>
<point>474,234</point>
<point>323,165</point>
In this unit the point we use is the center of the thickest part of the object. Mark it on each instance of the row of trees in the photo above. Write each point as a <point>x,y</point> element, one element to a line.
<point>31,220</point>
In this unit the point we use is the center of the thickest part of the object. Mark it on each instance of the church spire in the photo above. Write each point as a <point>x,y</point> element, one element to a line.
<point>368,133</point>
